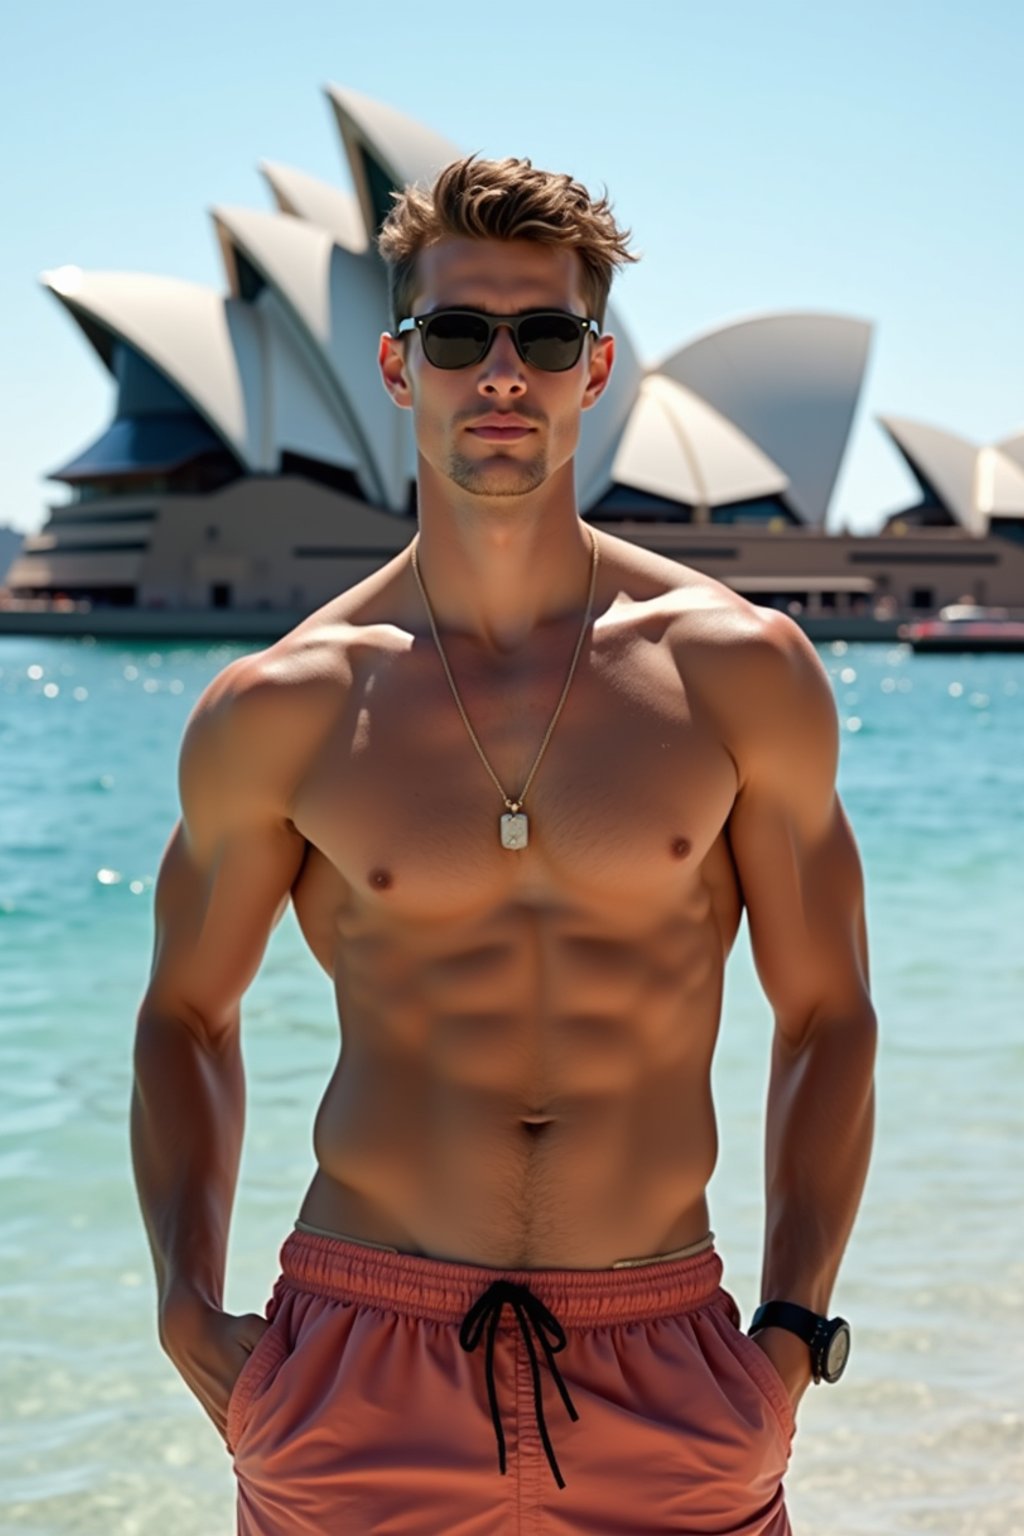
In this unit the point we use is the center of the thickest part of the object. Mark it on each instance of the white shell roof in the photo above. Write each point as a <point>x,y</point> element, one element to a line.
<point>206,344</point>
<point>942,460</point>
<point>307,197</point>
<point>999,484</point>
<point>291,255</point>
<point>203,342</point>
<point>301,416</point>
<point>402,147</point>
<point>790,382</point>
<point>1013,447</point>
<point>339,300</point>
<point>676,445</point>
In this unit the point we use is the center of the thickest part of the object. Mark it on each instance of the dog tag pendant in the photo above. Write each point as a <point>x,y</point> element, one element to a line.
<point>515,830</point>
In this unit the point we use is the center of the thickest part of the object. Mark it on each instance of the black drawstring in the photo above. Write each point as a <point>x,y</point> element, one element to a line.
<point>528,1308</point>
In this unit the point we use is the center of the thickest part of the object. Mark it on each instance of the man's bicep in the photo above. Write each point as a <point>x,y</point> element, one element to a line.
<point>225,875</point>
<point>805,911</point>
<point>795,852</point>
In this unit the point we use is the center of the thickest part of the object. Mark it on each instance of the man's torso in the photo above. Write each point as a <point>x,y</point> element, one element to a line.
<point>527,1035</point>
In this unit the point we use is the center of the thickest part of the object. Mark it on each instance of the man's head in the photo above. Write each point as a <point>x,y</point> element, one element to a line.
<point>474,199</point>
<point>502,238</point>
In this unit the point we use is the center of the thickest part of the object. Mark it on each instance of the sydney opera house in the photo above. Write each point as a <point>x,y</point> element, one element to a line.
<point>255,463</point>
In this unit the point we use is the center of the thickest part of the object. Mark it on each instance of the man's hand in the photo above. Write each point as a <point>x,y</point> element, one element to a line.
<point>790,1357</point>
<point>209,1347</point>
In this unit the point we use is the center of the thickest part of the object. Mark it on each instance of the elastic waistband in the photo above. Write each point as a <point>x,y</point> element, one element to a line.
<point>443,1292</point>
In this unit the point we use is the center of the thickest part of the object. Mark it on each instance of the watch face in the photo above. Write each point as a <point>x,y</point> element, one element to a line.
<point>837,1352</point>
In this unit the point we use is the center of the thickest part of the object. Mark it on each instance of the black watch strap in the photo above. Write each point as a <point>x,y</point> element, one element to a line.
<point>788,1315</point>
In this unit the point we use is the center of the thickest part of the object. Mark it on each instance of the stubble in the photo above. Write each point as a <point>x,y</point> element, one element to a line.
<point>498,477</point>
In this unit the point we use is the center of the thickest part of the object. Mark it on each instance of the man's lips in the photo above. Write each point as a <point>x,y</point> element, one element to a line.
<point>501,426</point>
<point>500,434</point>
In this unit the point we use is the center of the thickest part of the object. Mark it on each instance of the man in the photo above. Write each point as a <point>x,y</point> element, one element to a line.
<point>519,785</point>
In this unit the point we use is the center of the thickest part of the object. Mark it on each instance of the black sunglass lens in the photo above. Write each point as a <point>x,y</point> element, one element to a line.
<point>552,342</point>
<point>454,341</point>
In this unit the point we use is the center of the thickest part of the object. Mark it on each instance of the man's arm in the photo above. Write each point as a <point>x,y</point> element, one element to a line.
<point>224,880</point>
<point>803,886</point>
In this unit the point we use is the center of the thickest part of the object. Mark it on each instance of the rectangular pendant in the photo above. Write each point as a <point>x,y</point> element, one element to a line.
<point>515,830</point>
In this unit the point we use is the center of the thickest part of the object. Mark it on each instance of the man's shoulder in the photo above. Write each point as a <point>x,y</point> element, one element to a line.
<point>311,663</point>
<point>752,669</point>
<point>698,614</point>
<point>280,678</point>
<point>267,710</point>
<point>759,676</point>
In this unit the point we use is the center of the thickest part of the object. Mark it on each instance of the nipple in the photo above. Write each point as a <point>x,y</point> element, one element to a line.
<point>680,847</point>
<point>380,879</point>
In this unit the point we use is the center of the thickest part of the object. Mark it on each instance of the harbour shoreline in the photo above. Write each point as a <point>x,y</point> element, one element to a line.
<point>271,623</point>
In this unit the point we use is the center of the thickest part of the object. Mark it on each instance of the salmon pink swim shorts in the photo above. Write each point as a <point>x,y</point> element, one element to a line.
<point>409,1396</point>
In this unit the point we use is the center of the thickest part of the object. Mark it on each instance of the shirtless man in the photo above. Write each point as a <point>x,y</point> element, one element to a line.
<point>500,1310</point>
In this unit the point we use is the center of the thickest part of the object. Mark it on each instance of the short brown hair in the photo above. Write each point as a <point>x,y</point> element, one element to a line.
<point>502,200</point>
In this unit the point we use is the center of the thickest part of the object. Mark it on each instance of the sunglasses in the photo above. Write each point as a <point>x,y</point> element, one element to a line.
<point>550,339</point>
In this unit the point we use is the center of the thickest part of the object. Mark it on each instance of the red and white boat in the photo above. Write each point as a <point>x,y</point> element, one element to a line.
<point>966,627</point>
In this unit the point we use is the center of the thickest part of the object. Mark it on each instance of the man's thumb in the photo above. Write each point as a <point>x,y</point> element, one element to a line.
<point>251,1328</point>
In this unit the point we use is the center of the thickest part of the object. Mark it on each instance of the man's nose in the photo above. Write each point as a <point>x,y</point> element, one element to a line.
<point>504,372</point>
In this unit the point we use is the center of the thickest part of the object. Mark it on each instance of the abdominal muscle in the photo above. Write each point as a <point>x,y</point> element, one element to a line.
<point>568,1125</point>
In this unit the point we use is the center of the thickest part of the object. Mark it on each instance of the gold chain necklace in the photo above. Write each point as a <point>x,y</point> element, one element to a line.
<point>514,826</point>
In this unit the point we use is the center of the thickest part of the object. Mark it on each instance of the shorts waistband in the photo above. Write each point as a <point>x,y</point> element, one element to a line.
<point>443,1291</point>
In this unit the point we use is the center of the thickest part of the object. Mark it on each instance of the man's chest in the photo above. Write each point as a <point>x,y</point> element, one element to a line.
<point>627,799</point>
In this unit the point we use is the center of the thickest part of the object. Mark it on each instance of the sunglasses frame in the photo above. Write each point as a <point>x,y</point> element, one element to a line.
<point>588,326</point>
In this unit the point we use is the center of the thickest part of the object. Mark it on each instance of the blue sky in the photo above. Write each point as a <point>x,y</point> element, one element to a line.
<point>864,159</point>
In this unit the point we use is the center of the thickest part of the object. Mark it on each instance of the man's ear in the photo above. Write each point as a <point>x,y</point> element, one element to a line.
<point>391,360</point>
<point>599,367</point>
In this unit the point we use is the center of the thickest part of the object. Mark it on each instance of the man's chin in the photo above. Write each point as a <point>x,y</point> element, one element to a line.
<point>499,478</point>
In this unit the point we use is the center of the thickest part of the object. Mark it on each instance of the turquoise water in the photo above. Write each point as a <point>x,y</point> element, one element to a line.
<point>98,1434</point>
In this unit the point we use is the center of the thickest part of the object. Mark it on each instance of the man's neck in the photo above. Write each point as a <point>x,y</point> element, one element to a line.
<point>496,570</point>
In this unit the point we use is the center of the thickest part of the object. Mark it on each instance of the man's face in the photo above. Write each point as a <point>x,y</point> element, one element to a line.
<point>452,407</point>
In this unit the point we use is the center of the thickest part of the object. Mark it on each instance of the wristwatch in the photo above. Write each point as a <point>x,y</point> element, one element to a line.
<point>828,1337</point>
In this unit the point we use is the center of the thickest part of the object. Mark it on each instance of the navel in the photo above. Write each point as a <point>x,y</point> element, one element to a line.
<point>380,879</point>
<point>680,847</point>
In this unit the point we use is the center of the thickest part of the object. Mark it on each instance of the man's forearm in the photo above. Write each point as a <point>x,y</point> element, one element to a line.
<point>187,1122</point>
<point>819,1132</point>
